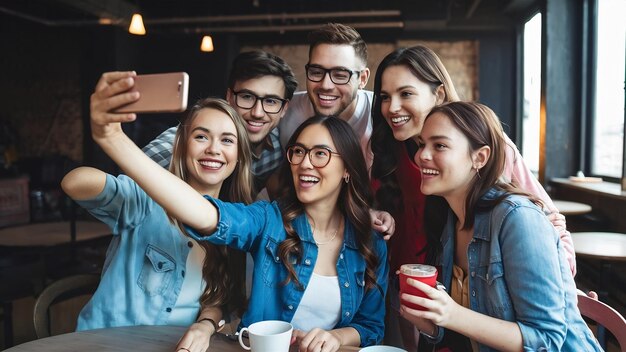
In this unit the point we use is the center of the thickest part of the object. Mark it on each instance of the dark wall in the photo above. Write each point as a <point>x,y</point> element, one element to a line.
<point>561,93</point>
<point>496,77</point>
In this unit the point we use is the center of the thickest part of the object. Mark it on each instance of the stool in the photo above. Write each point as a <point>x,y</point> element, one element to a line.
<point>571,208</point>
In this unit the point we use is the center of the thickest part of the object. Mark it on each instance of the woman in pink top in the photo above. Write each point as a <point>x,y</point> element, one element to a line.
<point>409,82</point>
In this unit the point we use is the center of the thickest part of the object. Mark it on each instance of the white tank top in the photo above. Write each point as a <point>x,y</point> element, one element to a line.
<point>320,306</point>
<point>187,305</point>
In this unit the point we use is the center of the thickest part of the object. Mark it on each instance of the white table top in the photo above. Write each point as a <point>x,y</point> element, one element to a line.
<point>51,233</point>
<point>571,208</point>
<point>600,245</point>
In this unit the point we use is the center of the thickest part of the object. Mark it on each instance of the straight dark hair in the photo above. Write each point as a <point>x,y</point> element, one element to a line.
<point>426,66</point>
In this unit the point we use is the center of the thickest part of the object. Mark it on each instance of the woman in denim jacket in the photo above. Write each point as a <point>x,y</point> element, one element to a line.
<point>315,242</point>
<point>509,285</point>
<point>154,274</point>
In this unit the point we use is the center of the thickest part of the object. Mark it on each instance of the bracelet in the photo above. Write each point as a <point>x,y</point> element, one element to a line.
<point>216,326</point>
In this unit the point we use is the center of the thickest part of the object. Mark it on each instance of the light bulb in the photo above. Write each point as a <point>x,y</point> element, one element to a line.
<point>136,25</point>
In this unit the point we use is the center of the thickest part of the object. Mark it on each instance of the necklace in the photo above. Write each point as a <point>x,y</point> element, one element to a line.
<point>325,242</point>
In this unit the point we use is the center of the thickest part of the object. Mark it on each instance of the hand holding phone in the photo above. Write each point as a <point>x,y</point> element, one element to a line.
<point>162,92</point>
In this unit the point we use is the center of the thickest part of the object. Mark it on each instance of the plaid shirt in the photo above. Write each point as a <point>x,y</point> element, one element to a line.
<point>270,159</point>
<point>160,150</point>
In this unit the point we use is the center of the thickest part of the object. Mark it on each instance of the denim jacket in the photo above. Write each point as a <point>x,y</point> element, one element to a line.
<point>518,272</point>
<point>258,229</point>
<point>145,264</point>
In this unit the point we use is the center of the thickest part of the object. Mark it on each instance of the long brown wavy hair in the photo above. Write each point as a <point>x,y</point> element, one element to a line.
<point>223,267</point>
<point>354,202</point>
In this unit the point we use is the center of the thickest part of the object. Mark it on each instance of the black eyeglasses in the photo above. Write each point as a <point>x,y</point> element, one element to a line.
<point>247,100</point>
<point>337,75</point>
<point>318,156</point>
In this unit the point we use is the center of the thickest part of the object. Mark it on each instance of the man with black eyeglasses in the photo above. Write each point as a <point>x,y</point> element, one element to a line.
<point>260,86</point>
<point>336,75</point>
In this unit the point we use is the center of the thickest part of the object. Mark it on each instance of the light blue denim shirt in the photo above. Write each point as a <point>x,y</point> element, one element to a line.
<point>258,229</point>
<point>518,272</point>
<point>145,263</point>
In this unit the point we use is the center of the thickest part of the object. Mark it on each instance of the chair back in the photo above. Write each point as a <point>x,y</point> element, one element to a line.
<point>60,290</point>
<point>604,315</point>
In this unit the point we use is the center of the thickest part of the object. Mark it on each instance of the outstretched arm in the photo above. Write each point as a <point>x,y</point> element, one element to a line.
<point>173,194</point>
<point>84,183</point>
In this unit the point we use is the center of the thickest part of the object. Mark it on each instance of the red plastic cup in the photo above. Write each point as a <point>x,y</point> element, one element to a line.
<point>421,272</point>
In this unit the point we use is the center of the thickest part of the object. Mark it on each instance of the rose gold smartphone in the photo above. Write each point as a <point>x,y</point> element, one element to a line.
<point>161,92</point>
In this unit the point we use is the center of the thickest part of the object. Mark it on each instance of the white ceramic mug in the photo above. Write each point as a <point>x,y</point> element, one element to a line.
<point>268,336</point>
<point>381,348</point>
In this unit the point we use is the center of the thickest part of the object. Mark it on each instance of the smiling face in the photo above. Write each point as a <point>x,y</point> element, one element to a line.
<point>445,159</point>
<point>211,150</point>
<point>259,123</point>
<point>318,186</point>
<point>405,101</point>
<point>327,97</point>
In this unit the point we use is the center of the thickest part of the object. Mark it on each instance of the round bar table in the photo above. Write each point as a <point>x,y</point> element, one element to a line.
<point>607,247</point>
<point>571,208</point>
<point>130,338</point>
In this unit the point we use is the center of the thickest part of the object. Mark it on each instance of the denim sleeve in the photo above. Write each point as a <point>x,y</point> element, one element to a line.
<point>534,279</point>
<point>369,320</point>
<point>122,204</point>
<point>160,149</point>
<point>242,226</point>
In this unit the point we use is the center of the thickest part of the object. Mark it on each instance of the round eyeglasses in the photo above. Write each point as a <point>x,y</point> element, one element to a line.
<point>337,75</point>
<point>247,100</point>
<point>318,156</point>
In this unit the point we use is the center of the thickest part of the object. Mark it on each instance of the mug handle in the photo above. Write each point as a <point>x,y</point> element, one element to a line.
<point>247,348</point>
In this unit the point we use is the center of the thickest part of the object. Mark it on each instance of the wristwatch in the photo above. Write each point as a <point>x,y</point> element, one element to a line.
<point>430,336</point>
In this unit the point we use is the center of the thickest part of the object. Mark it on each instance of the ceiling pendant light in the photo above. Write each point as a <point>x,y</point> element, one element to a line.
<point>136,25</point>
<point>207,44</point>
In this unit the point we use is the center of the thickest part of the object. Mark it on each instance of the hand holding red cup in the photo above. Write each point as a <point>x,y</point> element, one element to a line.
<point>420,272</point>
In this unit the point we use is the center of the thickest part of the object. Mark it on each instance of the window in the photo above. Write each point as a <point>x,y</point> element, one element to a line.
<point>532,92</point>
<point>608,124</point>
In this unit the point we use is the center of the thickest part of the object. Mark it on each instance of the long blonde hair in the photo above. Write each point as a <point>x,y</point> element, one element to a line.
<point>223,267</point>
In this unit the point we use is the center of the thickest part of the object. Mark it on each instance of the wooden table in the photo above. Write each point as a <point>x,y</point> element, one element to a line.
<point>607,247</point>
<point>51,233</point>
<point>131,338</point>
<point>571,208</point>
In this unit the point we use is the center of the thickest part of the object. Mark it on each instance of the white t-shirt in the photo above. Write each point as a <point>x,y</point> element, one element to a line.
<point>300,109</point>
<point>185,312</point>
<point>320,306</point>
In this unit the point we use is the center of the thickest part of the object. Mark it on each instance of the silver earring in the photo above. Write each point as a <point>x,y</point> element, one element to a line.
<point>477,172</point>
<point>346,178</point>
